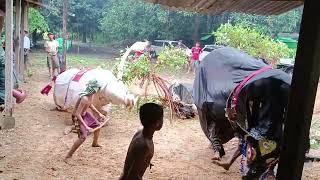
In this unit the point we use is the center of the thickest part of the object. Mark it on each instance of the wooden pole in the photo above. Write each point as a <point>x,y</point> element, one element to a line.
<point>9,58</point>
<point>18,36</point>
<point>302,97</point>
<point>23,19</point>
<point>1,23</point>
<point>65,20</point>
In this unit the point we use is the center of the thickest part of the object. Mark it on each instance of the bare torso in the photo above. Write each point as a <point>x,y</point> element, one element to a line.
<point>140,149</point>
<point>82,105</point>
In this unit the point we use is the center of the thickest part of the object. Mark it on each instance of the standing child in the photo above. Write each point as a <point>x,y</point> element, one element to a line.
<point>194,62</point>
<point>85,122</point>
<point>141,148</point>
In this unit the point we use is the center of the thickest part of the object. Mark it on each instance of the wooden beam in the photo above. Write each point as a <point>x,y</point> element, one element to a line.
<point>17,35</point>
<point>9,57</point>
<point>24,17</point>
<point>303,91</point>
<point>41,5</point>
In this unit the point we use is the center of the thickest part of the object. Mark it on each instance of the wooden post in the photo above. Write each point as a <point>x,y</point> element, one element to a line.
<point>302,97</point>
<point>65,20</point>
<point>24,17</point>
<point>1,23</point>
<point>18,36</point>
<point>8,120</point>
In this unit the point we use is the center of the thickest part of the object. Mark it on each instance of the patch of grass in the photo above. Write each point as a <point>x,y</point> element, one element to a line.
<point>29,73</point>
<point>315,132</point>
<point>314,144</point>
<point>75,61</point>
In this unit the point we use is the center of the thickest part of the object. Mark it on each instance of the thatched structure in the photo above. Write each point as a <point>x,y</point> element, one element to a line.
<point>213,7</point>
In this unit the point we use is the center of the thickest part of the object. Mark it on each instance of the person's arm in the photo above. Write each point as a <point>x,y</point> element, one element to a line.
<point>93,108</point>
<point>139,162</point>
<point>78,113</point>
<point>227,164</point>
<point>46,47</point>
<point>57,46</point>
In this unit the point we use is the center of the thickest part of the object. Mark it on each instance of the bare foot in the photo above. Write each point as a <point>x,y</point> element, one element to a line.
<point>96,145</point>
<point>67,159</point>
<point>216,156</point>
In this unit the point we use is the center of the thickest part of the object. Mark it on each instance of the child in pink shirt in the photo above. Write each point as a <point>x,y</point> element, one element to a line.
<point>194,62</point>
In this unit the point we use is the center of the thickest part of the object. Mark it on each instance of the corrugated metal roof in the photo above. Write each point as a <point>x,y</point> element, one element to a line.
<point>213,7</point>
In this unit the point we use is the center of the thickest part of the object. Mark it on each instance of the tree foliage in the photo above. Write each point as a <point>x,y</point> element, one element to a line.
<point>272,25</point>
<point>170,58</point>
<point>252,42</point>
<point>126,21</point>
<point>135,20</point>
<point>37,22</point>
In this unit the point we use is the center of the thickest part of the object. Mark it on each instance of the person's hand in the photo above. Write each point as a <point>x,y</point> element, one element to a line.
<point>225,165</point>
<point>101,116</point>
<point>90,130</point>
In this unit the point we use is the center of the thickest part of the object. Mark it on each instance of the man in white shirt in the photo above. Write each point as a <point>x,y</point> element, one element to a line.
<point>26,47</point>
<point>51,48</point>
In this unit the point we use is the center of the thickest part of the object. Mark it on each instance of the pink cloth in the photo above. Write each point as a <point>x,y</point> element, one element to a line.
<point>196,51</point>
<point>90,121</point>
<point>78,76</point>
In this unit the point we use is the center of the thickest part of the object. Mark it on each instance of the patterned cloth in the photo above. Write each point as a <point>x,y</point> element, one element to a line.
<point>92,87</point>
<point>90,121</point>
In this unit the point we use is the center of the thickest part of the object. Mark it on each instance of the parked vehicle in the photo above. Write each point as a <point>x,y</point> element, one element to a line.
<point>286,65</point>
<point>159,45</point>
<point>207,49</point>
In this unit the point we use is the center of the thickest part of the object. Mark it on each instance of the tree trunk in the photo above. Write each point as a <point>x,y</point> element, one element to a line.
<point>84,37</point>
<point>196,28</point>
<point>209,24</point>
<point>34,38</point>
<point>64,24</point>
<point>79,42</point>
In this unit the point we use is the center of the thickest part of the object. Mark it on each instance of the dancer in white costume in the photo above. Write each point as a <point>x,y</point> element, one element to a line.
<point>72,82</point>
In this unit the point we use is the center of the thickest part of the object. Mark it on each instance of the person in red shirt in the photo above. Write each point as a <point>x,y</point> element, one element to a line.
<point>194,63</point>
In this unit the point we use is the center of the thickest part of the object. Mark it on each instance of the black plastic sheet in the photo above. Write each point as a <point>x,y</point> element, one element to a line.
<point>219,73</point>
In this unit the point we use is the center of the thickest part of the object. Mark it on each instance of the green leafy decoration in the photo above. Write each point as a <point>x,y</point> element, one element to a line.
<point>252,42</point>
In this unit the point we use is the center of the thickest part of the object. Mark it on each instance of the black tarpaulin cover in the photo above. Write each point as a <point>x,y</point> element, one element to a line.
<point>218,74</point>
<point>182,95</point>
<point>183,91</point>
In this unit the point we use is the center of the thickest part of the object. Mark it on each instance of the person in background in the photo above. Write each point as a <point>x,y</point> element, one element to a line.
<point>194,62</point>
<point>179,45</point>
<point>26,47</point>
<point>60,52</point>
<point>51,47</point>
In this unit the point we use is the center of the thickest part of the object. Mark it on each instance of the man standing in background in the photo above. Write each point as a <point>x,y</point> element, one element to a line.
<point>51,48</point>
<point>26,47</point>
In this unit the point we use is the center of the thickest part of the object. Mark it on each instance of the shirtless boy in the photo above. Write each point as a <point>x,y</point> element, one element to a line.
<point>85,122</point>
<point>141,148</point>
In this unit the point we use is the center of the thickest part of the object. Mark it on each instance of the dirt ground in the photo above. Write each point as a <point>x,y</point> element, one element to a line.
<point>35,148</point>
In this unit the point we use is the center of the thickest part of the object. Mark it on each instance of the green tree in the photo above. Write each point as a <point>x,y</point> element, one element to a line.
<point>37,23</point>
<point>288,22</point>
<point>252,42</point>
